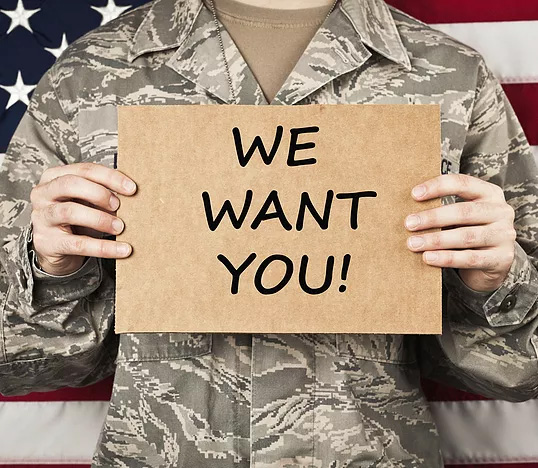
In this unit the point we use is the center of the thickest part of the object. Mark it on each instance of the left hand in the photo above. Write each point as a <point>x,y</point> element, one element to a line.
<point>483,227</point>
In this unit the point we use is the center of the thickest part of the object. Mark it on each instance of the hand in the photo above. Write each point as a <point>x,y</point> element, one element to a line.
<point>71,205</point>
<point>486,234</point>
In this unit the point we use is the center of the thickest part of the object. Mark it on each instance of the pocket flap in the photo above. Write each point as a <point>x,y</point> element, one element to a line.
<point>162,346</point>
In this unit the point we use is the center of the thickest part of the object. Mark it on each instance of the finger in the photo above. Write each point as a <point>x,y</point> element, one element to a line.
<point>462,238</point>
<point>468,259</point>
<point>456,214</point>
<point>109,178</point>
<point>462,185</point>
<point>74,187</point>
<point>90,247</point>
<point>75,214</point>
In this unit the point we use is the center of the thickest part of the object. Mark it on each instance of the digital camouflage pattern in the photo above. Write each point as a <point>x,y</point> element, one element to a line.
<point>264,401</point>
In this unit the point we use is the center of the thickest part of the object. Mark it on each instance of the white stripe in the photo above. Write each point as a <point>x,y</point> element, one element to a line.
<point>509,47</point>
<point>474,432</point>
<point>50,432</point>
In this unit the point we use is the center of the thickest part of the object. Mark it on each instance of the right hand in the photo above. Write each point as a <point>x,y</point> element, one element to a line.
<point>71,205</point>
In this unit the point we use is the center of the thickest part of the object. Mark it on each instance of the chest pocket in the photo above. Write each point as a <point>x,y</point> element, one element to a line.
<point>98,135</point>
<point>143,347</point>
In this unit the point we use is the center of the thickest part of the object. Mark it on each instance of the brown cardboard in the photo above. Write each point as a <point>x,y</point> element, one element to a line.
<point>173,281</point>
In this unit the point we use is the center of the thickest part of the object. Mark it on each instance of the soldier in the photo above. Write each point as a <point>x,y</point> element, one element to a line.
<point>297,400</point>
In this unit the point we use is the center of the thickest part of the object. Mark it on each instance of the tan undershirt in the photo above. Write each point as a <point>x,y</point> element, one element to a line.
<point>270,40</point>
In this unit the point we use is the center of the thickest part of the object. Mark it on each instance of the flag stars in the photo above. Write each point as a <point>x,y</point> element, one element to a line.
<point>110,11</point>
<point>18,92</point>
<point>58,51</point>
<point>19,17</point>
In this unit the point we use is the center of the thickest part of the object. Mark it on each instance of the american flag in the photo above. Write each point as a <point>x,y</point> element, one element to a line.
<point>60,428</point>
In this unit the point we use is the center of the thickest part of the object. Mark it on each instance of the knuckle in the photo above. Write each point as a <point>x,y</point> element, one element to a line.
<point>85,169</point>
<point>102,249</point>
<point>449,259</point>
<point>510,212</point>
<point>512,234</point>
<point>436,240</point>
<point>48,174</point>
<point>34,196</point>
<point>73,246</point>
<point>466,210</point>
<point>102,220</point>
<point>462,179</point>
<point>510,256</point>
<point>51,211</point>
<point>469,237</point>
<point>498,191</point>
<point>64,212</point>
<point>474,259</point>
<point>64,183</point>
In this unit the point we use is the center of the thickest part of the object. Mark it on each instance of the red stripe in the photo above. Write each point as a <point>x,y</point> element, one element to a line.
<point>468,11</point>
<point>101,391</point>
<point>437,392</point>
<point>524,100</point>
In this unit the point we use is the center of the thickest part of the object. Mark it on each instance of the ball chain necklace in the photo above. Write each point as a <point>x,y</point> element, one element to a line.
<point>222,51</point>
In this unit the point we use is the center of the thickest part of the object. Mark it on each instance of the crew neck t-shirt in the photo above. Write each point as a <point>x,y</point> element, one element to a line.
<point>270,40</point>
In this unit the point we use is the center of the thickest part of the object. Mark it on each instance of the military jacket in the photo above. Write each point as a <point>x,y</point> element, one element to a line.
<point>265,400</point>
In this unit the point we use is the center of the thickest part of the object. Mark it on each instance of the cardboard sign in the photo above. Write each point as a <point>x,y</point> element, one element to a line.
<point>276,219</point>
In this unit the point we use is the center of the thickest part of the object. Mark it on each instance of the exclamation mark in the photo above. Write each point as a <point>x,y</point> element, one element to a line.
<point>345,269</point>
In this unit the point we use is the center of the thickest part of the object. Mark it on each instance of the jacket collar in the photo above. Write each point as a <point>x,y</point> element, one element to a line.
<point>337,48</point>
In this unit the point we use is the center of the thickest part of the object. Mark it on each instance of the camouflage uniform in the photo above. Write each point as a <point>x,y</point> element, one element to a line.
<point>264,401</point>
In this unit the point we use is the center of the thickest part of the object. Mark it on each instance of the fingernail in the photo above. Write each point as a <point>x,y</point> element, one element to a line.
<point>415,242</point>
<point>412,221</point>
<point>123,249</point>
<point>129,185</point>
<point>418,191</point>
<point>114,202</point>
<point>117,225</point>
<point>431,256</point>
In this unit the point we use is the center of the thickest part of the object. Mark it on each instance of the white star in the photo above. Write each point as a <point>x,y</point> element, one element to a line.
<point>110,11</point>
<point>18,92</point>
<point>19,17</point>
<point>58,51</point>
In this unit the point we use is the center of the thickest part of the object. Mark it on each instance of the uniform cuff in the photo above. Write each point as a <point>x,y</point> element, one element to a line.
<point>510,302</point>
<point>41,275</point>
<point>38,288</point>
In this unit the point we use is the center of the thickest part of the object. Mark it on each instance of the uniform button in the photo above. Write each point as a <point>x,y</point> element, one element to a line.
<point>508,303</point>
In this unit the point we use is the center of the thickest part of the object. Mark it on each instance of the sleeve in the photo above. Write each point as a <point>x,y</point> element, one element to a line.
<point>489,343</point>
<point>55,331</point>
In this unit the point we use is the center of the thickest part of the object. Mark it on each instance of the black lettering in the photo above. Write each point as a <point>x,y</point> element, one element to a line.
<point>256,143</point>
<point>236,272</point>
<point>355,197</point>
<point>329,266</point>
<point>261,270</point>
<point>272,199</point>
<point>227,207</point>
<point>294,146</point>
<point>306,202</point>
